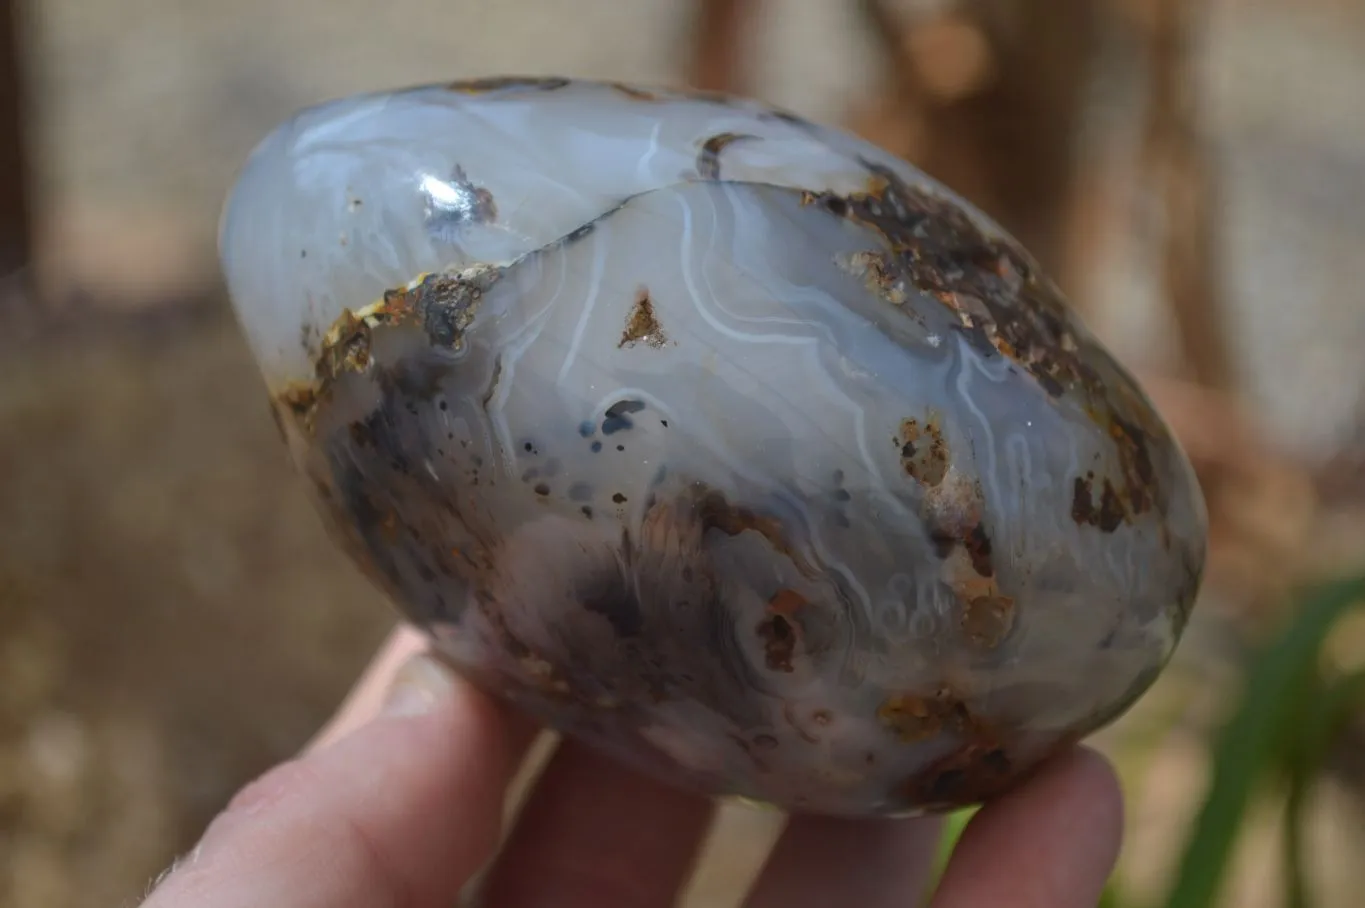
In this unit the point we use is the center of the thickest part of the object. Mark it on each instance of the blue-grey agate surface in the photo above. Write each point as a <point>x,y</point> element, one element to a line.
<point>724,442</point>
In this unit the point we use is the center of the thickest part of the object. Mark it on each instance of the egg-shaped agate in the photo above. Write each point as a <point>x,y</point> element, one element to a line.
<point>725,443</point>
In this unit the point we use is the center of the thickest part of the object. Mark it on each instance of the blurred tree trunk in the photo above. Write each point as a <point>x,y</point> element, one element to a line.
<point>1175,162</point>
<point>15,213</point>
<point>996,89</point>
<point>716,49</point>
<point>990,97</point>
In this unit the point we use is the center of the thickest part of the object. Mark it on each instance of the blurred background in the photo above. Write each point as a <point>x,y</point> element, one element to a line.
<point>173,618</point>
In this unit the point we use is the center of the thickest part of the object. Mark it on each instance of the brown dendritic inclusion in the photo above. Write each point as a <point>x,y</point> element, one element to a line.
<point>723,442</point>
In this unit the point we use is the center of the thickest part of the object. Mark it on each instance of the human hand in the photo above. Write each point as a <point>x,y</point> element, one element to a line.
<point>400,802</point>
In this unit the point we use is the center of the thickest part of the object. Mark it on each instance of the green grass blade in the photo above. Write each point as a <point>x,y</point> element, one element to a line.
<point>1326,715</point>
<point>1247,746</point>
<point>953,825</point>
<point>1110,897</point>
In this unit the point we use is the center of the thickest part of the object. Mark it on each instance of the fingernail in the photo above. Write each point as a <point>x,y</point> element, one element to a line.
<point>419,687</point>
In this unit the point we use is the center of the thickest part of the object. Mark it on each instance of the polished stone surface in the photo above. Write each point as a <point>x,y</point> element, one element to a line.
<point>723,441</point>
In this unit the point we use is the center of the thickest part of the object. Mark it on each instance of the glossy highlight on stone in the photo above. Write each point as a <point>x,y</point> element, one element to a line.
<point>724,442</point>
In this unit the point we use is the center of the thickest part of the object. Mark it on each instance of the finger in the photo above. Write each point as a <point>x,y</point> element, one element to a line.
<point>367,696</point>
<point>594,834</point>
<point>1050,844</point>
<point>401,811</point>
<point>822,861</point>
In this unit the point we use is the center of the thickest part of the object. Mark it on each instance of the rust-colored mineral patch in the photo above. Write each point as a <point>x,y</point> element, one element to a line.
<point>787,602</point>
<point>635,92</point>
<point>708,159</point>
<point>642,324</point>
<point>878,274</point>
<point>987,620</point>
<point>993,287</point>
<point>780,630</point>
<point>298,398</point>
<point>481,86</point>
<point>1108,514</point>
<point>978,547</point>
<point>444,304</point>
<point>345,346</point>
<point>975,772</point>
<point>914,717</point>
<point>1005,306</point>
<point>952,512</point>
<point>718,513</point>
<point>1135,462</point>
<point>924,453</point>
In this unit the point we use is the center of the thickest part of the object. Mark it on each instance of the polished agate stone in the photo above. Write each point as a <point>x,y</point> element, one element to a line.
<point>727,444</point>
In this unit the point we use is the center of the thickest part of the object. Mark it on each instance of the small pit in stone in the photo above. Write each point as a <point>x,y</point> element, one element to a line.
<point>780,631</point>
<point>617,418</point>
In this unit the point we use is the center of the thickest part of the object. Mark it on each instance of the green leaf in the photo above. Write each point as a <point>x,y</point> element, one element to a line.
<point>1324,716</point>
<point>953,825</point>
<point>1110,897</point>
<point>1278,687</point>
